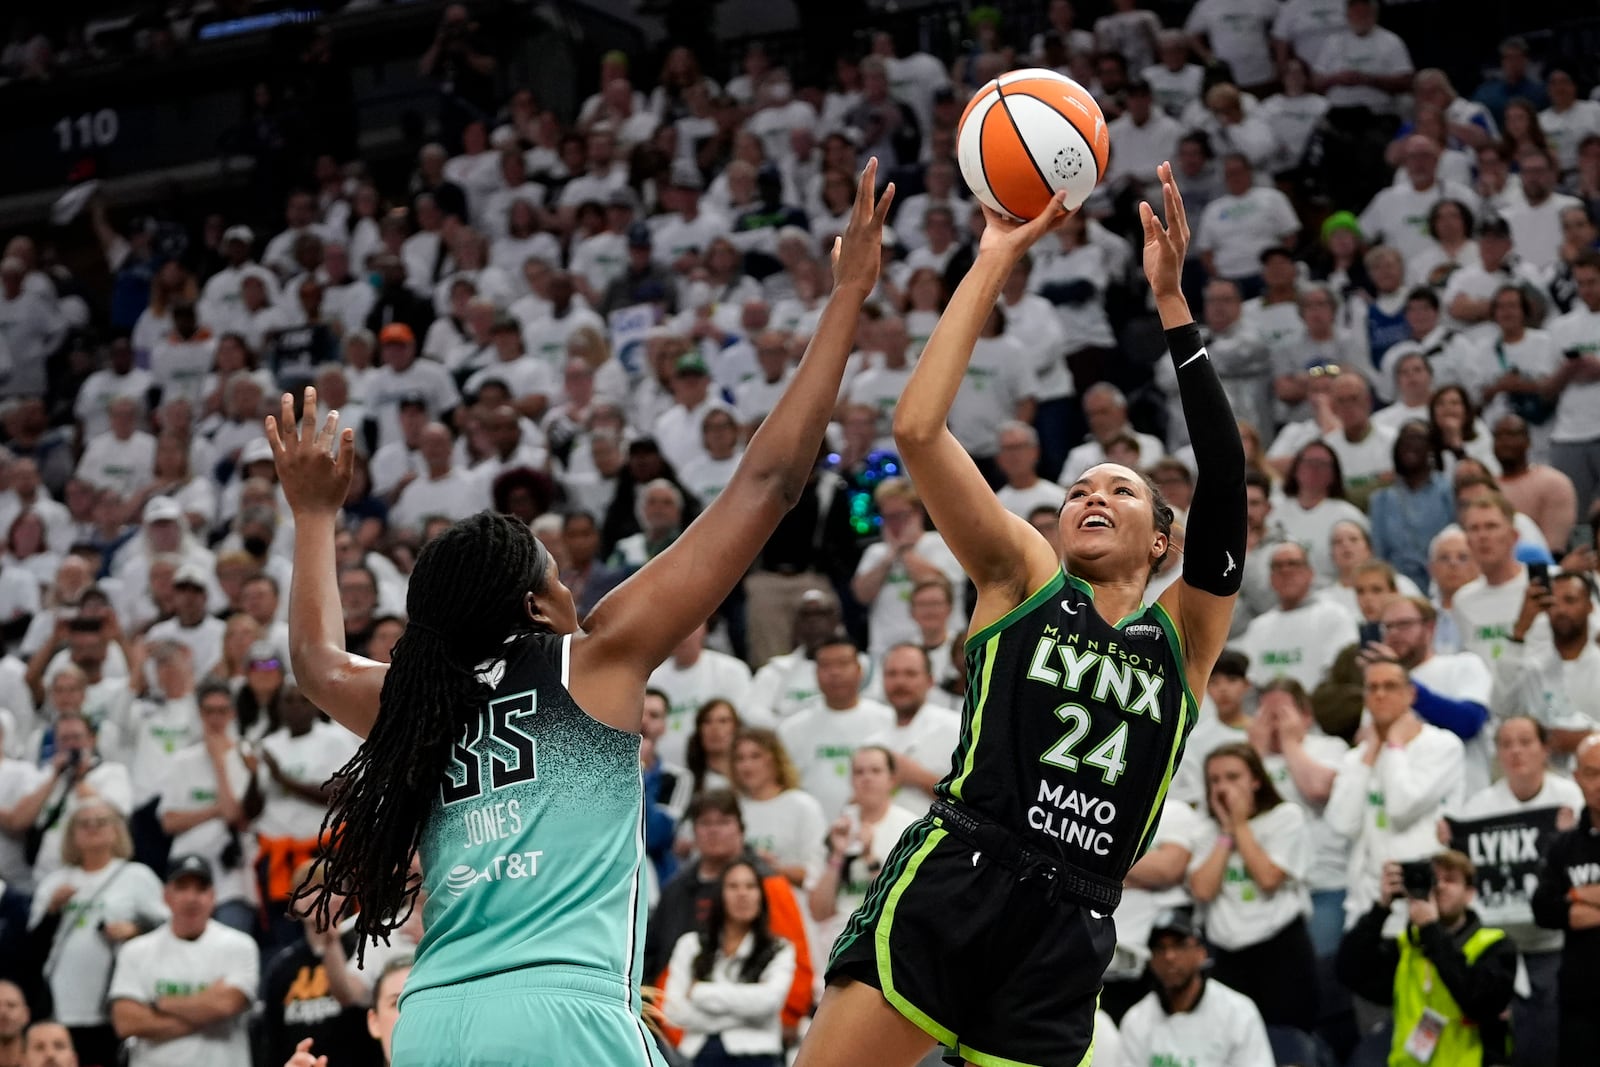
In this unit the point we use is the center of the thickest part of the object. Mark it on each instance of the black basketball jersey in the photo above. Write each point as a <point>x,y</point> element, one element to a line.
<point>1073,727</point>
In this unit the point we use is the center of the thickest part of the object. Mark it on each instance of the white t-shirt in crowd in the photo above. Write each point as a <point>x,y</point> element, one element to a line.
<point>1578,407</point>
<point>204,640</point>
<point>1330,852</point>
<point>1237,229</point>
<point>1179,825</point>
<point>1485,614</point>
<point>1021,502</point>
<point>121,465</point>
<point>121,891</point>
<point>1536,230</point>
<point>1209,734</point>
<point>1243,914</point>
<point>1464,676</point>
<point>1308,24</point>
<point>889,620</point>
<point>191,785</point>
<point>1364,460</point>
<point>153,732</point>
<point>1399,214</point>
<point>109,782</point>
<point>1224,1029</point>
<point>1312,527</point>
<point>455,496</point>
<point>930,738</point>
<point>1565,130</point>
<point>790,826</point>
<point>18,778</point>
<point>999,376</point>
<point>387,387</point>
<point>1390,811</point>
<point>1556,791</point>
<point>821,741</point>
<point>1237,32</point>
<point>313,757</point>
<point>162,964</point>
<point>1300,644</point>
<point>1378,52</point>
<point>714,675</point>
<point>856,879</point>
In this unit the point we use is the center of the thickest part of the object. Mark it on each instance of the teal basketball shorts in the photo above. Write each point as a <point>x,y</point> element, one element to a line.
<point>532,1017</point>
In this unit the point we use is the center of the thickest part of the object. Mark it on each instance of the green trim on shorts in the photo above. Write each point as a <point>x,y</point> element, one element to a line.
<point>986,1059</point>
<point>925,1022</point>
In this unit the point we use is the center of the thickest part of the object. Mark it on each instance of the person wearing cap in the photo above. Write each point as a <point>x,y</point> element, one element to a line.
<point>184,992</point>
<point>687,227</point>
<point>1449,976</point>
<point>678,429</point>
<point>190,624</point>
<point>221,291</point>
<point>642,280</point>
<point>403,375</point>
<point>87,909</point>
<point>1190,1018</point>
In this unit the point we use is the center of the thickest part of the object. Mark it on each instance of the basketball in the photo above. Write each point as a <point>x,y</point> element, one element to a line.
<point>1028,135</point>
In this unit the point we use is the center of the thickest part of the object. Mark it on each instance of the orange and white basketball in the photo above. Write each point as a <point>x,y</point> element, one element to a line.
<point>1026,136</point>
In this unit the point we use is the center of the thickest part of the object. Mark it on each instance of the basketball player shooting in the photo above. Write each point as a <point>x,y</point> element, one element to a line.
<point>990,927</point>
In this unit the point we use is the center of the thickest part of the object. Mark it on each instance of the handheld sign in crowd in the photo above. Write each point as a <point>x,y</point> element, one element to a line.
<point>1507,851</point>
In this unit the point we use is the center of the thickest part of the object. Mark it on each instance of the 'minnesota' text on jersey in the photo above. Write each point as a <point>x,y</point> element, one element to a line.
<point>532,852</point>
<point>1073,727</point>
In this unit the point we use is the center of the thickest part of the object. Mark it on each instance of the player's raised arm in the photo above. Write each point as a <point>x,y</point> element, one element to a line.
<point>637,625</point>
<point>1213,555</point>
<point>345,686</point>
<point>1003,555</point>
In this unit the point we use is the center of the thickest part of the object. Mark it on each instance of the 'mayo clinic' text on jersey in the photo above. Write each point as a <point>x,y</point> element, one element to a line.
<point>1073,727</point>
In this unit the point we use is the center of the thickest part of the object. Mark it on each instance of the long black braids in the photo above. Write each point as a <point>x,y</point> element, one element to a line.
<point>467,596</point>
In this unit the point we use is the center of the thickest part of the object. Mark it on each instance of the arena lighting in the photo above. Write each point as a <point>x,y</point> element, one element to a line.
<point>254,23</point>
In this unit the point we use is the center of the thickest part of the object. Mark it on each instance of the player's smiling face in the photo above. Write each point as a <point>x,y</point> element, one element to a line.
<point>1108,526</point>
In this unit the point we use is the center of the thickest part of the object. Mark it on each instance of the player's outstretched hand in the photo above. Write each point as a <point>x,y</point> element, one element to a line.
<point>1165,246</point>
<point>858,254</point>
<point>312,478</point>
<point>1008,236</point>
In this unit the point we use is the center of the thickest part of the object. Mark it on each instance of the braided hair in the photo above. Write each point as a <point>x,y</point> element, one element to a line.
<point>467,596</point>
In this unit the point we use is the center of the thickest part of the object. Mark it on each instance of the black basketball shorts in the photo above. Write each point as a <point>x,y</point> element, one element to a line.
<point>982,957</point>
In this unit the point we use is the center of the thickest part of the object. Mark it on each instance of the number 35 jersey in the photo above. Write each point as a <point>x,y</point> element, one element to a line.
<point>1073,727</point>
<point>531,854</point>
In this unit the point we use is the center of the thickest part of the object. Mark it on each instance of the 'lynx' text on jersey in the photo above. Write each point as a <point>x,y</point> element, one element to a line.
<point>1073,727</point>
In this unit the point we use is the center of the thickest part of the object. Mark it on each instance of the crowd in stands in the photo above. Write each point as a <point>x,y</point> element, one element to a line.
<point>1380,842</point>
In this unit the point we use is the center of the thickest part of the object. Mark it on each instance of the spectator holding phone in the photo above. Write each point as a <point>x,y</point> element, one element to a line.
<point>1448,976</point>
<point>1568,899</point>
<point>1552,673</point>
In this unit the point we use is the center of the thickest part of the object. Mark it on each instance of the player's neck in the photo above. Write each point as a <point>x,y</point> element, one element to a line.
<point>1117,600</point>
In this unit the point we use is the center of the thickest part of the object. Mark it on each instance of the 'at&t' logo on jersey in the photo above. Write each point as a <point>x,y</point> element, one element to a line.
<point>464,876</point>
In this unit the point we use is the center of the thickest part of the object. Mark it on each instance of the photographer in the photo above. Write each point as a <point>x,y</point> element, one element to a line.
<point>77,777</point>
<point>207,806</point>
<point>459,62</point>
<point>1448,976</point>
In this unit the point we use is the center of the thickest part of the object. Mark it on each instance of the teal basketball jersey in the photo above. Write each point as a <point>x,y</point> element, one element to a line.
<point>532,853</point>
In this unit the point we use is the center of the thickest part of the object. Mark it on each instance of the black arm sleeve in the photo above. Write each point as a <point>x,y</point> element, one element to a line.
<point>1213,551</point>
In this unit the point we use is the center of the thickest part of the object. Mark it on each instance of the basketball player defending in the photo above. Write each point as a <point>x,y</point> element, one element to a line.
<point>989,928</point>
